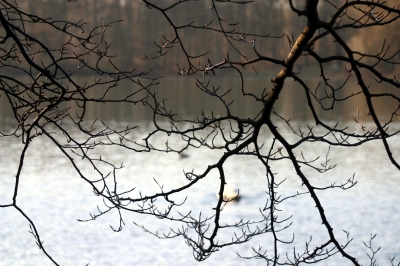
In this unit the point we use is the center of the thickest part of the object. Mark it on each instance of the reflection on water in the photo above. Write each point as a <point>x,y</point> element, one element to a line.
<point>54,196</point>
<point>186,100</point>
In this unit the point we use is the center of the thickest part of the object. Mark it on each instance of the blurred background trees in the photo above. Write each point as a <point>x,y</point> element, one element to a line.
<point>139,27</point>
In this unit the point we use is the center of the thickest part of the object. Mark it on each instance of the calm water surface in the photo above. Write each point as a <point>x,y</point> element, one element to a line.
<point>54,196</point>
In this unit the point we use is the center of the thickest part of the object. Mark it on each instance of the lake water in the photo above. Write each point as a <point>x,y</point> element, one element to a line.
<point>53,195</point>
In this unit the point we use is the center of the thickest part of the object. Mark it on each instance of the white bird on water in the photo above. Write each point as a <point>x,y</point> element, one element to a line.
<point>231,193</point>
